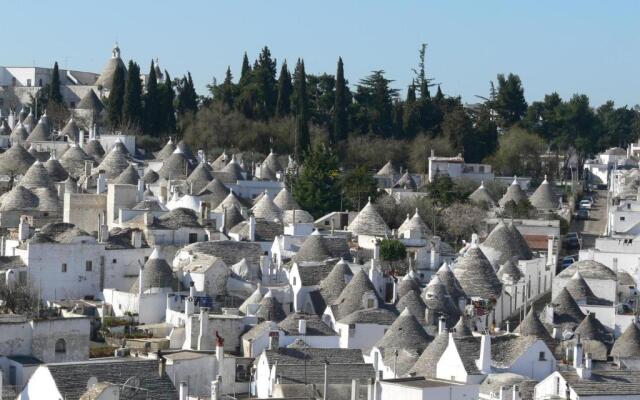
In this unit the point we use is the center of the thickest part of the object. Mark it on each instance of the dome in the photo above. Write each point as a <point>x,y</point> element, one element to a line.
<point>36,177</point>
<point>106,78</point>
<point>15,161</point>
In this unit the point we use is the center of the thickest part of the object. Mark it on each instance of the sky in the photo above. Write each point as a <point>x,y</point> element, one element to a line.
<point>569,46</point>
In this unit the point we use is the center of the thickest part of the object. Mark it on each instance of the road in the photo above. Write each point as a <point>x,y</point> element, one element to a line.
<point>594,227</point>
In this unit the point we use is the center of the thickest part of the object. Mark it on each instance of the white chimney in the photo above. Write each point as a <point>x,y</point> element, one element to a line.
<point>183,390</point>
<point>140,189</point>
<point>101,183</point>
<point>435,252</point>
<point>302,326</point>
<point>189,304</point>
<point>516,393</point>
<point>442,324</point>
<point>355,389</point>
<point>504,393</point>
<point>484,362</point>
<point>508,324</point>
<point>23,228</point>
<point>274,340</point>
<point>136,239</point>
<point>204,328</point>
<point>220,354</point>
<point>265,265</point>
<point>252,228</point>
<point>376,249</point>
<point>216,388</point>
<point>577,353</point>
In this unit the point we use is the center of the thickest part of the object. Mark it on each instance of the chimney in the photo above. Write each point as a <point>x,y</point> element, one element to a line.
<point>87,168</point>
<point>140,279</point>
<point>516,393</point>
<point>326,380</point>
<point>435,252</point>
<point>504,392</point>
<point>551,244</point>
<point>216,388</point>
<point>577,353</point>
<point>376,249</point>
<point>224,219</point>
<point>302,326</point>
<point>252,228</point>
<point>147,219</point>
<point>220,354</point>
<point>274,340</point>
<point>183,390</point>
<point>355,389</point>
<point>189,304</point>
<point>484,362</point>
<point>429,317</point>
<point>24,228</point>
<point>140,194</point>
<point>162,364</point>
<point>442,324</point>
<point>136,239</point>
<point>265,264</point>
<point>204,327</point>
<point>81,138</point>
<point>101,183</point>
<point>508,324</point>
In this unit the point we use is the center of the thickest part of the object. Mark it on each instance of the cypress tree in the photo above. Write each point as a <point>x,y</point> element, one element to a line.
<point>54,87</point>
<point>167,97</point>
<point>226,94</point>
<point>283,106</point>
<point>411,114</point>
<point>340,108</point>
<point>303,140</point>
<point>264,76</point>
<point>132,111</point>
<point>115,102</point>
<point>152,104</point>
<point>245,72</point>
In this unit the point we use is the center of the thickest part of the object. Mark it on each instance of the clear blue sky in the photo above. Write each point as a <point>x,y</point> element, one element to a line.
<point>585,46</point>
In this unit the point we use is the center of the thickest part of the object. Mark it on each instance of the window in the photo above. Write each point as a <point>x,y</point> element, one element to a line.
<point>29,82</point>
<point>481,169</point>
<point>61,346</point>
<point>541,356</point>
<point>64,267</point>
<point>326,223</point>
<point>193,237</point>
<point>88,266</point>
<point>40,82</point>
<point>622,218</point>
<point>73,104</point>
<point>114,261</point>
<point>294,281</point>
<point>369,303</point>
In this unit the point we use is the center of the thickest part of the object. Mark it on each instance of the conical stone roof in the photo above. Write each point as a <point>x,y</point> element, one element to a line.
<point>313,249</point>
<point>532,326</point>
<point>461,328</point>
<point>150,176</point>
<point>114,163</point>
<point>270,309</point>
<point>230,201</point>
<point>427,362</point>
<point>19,135</point>
<point>476,275</point>
<point>94,149</point>
<point>71,130</point>
<point>270,166</point>
<point>510,273</point>
<point>214,193</point>
<point>414,303</point>
<point>29,122</point>
<point>4,128</point>
<point>332,286</point>
<point>40,133</point>
<point>415,223</point>
<point>73,160</point>
<point>55,170</point>
<point>368,222</point>
<point>129,176</point>
<point>543,198</point>
<point>36,177</point>
<point>232,172</point>
<point>387,170</point>
<point>592,329</point>
<point>156,273</point>
<point>18,198</point>
<point>628,344</point>
<point>285,201</point>
<point>15,161</point>
<point>48,199</point>
<point>502,246</point>
<point>407,284</point>
<point>565,309</point>
<point>580,290</point>
<point>514,193</point>
<point>438,301</point>
<point>176,166</point>
<point>90,102</point>
<point>352,297</point>
<point>106,78</point>
<point>219,163</point>
<point>450,282</point>
<point>482,196</point>
<point>266,209</point>
<point>199,178</point>
<point>166,151</point>
<point>406,182</point>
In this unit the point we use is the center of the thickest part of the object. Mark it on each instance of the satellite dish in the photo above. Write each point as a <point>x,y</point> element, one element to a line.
<point>130,388</point>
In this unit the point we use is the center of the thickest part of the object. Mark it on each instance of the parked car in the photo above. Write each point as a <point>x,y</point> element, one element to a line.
<point>585,204</point>
<point>572,240</point>
<point>582,214</point>
<point>567,261</point>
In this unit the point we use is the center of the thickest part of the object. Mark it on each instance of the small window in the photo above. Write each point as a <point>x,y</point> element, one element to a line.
<point>40,82</point>
<point>622,218</point>
<point>193,237</point>
<point>326,223</point>
<point>541,356</point>
<point>114,261</point>
<point>29,82</point>
<point>294,281</point>
<point>88,266</point>
<point>369,303</point>
<point>146,258</point>
<point>61,346</point>
<point>73,104</point>
<point>64,267</point>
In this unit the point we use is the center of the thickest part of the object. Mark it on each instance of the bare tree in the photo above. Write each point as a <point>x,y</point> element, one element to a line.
<point>19,298</point>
